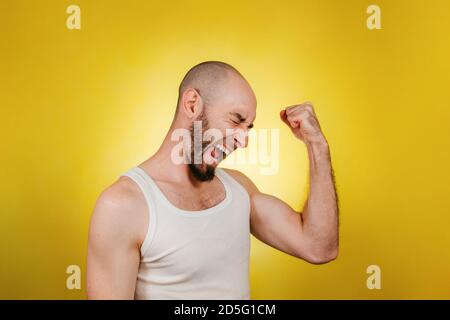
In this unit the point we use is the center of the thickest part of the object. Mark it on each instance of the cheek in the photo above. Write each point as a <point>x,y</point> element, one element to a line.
<point>214,134</point>
<point>217,122</point>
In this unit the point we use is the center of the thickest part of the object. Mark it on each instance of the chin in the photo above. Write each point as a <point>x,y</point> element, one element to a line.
<point>202,172</point>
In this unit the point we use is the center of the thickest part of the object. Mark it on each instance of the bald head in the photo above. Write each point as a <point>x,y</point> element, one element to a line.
<point>211,79</point>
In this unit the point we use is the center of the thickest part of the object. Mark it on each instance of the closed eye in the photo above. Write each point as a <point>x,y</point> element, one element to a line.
<point>238,119</point>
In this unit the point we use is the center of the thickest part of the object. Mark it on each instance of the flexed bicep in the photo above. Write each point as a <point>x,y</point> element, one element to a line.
<point>277,224</point>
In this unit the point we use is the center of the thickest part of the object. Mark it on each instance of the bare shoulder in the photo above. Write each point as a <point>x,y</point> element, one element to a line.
<point>119,214</point>
<point>243,180</point>
<point>122,194</point>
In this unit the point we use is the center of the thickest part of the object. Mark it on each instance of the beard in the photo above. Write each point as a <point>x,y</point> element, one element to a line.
<point>200,171</point>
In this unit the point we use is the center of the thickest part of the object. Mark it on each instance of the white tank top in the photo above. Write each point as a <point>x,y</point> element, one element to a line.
<point>194,254</point>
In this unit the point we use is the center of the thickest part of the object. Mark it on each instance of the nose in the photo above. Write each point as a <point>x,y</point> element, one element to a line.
<point>241,138</point>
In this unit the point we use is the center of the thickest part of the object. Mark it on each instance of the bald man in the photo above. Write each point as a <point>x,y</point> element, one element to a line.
<point>181,230</point>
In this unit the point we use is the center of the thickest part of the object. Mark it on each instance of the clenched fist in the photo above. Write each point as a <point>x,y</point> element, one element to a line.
<point>303,122</point>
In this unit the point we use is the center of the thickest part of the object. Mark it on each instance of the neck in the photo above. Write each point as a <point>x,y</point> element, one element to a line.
<point>161,164</point>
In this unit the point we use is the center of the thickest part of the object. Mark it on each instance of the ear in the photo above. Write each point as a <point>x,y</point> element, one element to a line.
<point>191,103</point>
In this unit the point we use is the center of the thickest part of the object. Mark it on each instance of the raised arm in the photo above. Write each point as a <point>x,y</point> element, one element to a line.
<point>311,235</point>
<point>115,236</point>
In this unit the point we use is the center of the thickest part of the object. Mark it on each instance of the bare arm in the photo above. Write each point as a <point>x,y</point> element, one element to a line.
<point>311,235</point>
<point>114,241</point>
<point>320,214</point>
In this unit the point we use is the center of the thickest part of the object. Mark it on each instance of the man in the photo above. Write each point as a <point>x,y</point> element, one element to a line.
<point>171,230</point>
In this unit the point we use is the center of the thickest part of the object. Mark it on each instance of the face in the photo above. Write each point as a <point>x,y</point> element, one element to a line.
<point>224,128</point>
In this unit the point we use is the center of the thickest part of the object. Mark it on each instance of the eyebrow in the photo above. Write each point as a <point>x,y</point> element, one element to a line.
<point>241,118</point>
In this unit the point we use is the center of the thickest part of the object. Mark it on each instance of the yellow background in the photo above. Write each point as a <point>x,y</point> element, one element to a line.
<point>79,107</point>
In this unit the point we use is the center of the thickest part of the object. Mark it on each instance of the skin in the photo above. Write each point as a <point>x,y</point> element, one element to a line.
<point>120,219</point>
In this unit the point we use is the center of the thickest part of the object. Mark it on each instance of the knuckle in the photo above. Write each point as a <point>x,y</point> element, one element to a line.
<point>304,113</point>
<point>308,106</point>
<point>291,109</point>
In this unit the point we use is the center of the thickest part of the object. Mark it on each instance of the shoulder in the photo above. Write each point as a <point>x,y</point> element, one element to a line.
<point>243,180</point>
<point>119,213</point>
<point>120,199</point>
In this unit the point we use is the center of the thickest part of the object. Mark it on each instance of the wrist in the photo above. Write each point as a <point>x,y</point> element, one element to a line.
<point>317,143</point>
<point>319,156</point>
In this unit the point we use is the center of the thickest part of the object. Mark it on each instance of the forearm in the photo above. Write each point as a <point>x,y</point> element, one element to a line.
<point>320,215</point>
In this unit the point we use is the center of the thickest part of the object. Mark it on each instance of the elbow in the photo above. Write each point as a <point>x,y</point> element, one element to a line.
<point>323,256</point>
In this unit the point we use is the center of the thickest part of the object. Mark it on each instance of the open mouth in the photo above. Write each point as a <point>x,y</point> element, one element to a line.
<point>221,151</point>
<point>216,153</point>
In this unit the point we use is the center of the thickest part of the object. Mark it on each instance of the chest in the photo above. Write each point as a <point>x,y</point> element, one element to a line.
<point>203,197</point>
